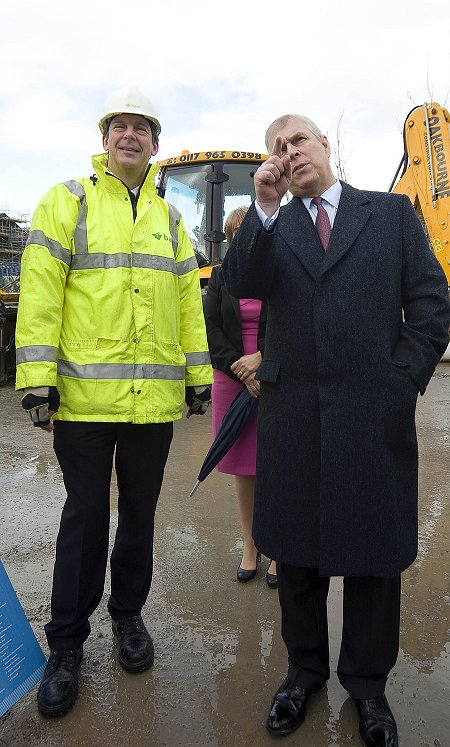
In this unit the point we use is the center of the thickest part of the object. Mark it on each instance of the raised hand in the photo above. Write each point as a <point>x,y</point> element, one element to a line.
<point>272,179</point>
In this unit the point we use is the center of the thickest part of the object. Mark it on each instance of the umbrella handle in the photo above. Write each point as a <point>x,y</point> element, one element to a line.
<point>194,488</point>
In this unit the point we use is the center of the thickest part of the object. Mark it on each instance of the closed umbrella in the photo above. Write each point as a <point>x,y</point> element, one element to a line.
<point>231,426</point>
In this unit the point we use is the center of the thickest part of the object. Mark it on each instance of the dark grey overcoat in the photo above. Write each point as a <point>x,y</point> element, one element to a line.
<point>353,334</point>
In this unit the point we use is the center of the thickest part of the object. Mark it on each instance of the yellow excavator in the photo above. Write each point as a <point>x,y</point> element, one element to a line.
<point>424,176</point>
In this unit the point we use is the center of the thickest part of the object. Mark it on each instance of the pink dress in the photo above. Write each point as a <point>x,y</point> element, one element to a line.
<point>241,458</point>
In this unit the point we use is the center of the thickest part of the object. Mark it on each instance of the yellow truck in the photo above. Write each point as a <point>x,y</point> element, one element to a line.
<point>205,186</point>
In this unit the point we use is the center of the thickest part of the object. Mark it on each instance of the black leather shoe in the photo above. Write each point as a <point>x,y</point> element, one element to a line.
<point>243,575</point>
<point>136,652</point>
<point>58,690</point>
<point>289,707</point>
<point>377,725</point>
<point>271,579</point>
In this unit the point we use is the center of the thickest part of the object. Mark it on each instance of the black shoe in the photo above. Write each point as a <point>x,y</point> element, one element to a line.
<point>271,579</point>
<point>136,652</point>
<point>243,575</point>
<point>289,707</point>
<point>58,690</point>
<point>377,725</point>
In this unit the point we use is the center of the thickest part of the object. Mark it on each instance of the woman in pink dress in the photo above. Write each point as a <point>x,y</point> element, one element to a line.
<point>236,331</point>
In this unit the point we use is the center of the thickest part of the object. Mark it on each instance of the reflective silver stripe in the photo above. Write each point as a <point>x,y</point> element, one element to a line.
<point>198,359</point>
<point>158,371</point>
<point>80,234</point>
<point>174,219</point>
<point>187,265</point>
<point>126,371</point>
<point>36,354</point>
<point>154,262</point>
<point>97,260</point>
<point>54,247</point>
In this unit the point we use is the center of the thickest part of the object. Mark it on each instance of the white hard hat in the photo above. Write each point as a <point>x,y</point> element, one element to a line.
<point>128,100</point>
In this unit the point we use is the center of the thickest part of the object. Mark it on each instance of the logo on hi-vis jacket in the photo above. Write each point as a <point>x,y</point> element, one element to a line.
<point>158,236</point>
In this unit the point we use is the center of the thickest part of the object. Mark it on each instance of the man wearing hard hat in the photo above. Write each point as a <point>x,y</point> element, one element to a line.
<point>110,342</point>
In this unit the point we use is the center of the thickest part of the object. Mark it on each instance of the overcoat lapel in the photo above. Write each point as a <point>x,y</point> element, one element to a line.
<point>299,232</point>
<point>353,213</point>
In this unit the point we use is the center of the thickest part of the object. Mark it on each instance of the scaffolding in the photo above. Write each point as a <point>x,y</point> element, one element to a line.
<point>13,238</point>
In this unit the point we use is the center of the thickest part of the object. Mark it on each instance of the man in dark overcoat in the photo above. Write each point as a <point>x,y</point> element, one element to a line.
<point>358,318</point>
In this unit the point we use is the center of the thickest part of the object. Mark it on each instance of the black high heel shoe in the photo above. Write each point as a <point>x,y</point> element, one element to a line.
<point>243,575</point>
<point>271,579</point>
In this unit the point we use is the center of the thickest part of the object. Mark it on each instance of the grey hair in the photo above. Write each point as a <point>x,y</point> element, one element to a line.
<point>282,122</point>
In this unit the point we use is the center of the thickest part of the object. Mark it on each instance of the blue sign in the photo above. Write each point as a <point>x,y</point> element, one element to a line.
<point>22,662</point>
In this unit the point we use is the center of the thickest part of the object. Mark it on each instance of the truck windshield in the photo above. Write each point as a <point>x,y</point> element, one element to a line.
<point>186,189</point>
<point>205,202</point>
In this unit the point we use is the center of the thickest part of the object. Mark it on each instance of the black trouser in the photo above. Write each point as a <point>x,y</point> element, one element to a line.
<point>85,452</point>
<point>370,630</point>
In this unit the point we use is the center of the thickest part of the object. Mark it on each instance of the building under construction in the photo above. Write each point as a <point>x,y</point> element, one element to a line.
<point>13,237</point>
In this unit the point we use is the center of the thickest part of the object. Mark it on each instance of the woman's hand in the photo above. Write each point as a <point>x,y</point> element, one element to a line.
<point>246,366</point>
<point>245,369</point>
<point>253,386</point>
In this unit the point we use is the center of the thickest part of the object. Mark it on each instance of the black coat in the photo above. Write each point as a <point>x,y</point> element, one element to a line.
<point>336,484</point>
<point>223,325</point>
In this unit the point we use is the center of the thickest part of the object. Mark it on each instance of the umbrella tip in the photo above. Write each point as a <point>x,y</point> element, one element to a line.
<point>194,488</point>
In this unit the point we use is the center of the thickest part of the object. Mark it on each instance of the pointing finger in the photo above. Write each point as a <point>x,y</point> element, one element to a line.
<point>276,150</point>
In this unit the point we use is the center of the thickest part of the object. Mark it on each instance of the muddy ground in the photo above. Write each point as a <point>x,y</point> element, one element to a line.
<point>219,653</point>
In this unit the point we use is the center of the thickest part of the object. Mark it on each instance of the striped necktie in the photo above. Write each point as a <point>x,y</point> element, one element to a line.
<point>322,222</point>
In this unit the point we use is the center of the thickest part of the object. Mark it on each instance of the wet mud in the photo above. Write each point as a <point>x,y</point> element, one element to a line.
<point>219,656</point>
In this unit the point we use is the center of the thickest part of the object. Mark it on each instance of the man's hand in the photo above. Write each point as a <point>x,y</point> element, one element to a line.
<point>41,402</point>
<point>197,399</point>
<point>272,179</point>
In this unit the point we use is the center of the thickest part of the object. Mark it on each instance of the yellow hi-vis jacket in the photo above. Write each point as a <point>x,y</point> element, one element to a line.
<point>110,309</point>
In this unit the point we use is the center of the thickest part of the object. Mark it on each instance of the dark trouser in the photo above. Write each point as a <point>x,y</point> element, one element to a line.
<point>85,452</point>
<point>370,631</point>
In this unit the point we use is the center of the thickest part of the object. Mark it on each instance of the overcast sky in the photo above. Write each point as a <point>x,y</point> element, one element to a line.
<point>218,74</point>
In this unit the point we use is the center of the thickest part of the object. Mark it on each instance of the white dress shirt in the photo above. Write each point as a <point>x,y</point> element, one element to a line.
<point>330,198</point>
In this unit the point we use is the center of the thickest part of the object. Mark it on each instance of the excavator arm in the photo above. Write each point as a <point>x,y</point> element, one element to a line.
<point>424,174</point>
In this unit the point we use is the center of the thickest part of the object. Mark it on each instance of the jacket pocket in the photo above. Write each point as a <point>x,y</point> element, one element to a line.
<point>90,343</point>
<point>268,371</point>
<point>399,371</point>
<point>170,353</point>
